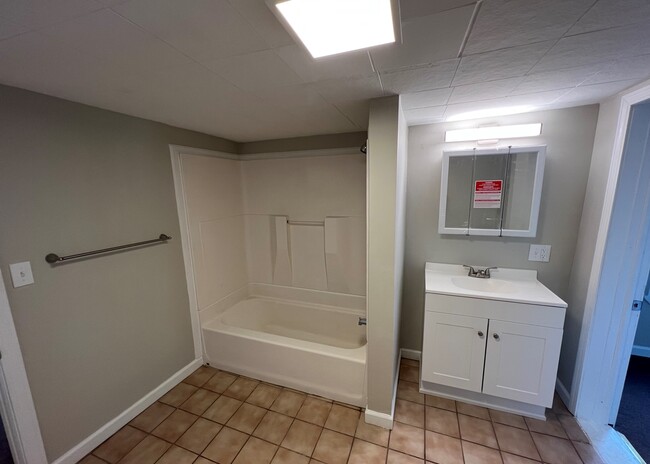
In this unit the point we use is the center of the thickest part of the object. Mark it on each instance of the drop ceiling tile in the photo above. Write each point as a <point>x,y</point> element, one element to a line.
<point>426,98</point>
<point>10,29</point>
<point>552,80</point>
<point>436,76</point>
<point>206,30</point>
<point>500,64</point>
<point>258,15</point>
<point>255,71</point>
<point>39,13</point>
<point>508,23</point>
<point>608,13</point>
<point>597,47</point>
<point>484,90</point>
<point>596,93</point>
<point>426,40</point>
<point>355,111</point>
<point>352,64</point>
<point>637,67</point>
<point>430,115</point>
<point>417,8</point>
<point>336,90</point>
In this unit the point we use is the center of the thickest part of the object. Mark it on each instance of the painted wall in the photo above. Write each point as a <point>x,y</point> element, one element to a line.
<point>96,334</point>
<point>315,142</point>
<point>387,149</point>
<point>569,135</point>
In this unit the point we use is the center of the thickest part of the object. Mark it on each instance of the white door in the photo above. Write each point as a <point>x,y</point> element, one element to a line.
<point>453,350</point>
<point>521,362</point>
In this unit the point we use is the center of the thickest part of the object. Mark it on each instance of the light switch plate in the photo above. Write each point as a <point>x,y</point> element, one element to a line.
<point>539,253</point>
<point>21,274</point>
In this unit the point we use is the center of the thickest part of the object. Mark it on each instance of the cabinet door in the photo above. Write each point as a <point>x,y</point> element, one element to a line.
<point>453,350</point>
<point>521,362</point>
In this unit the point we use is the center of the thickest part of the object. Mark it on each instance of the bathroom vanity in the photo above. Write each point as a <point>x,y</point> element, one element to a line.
<point>491,341</point>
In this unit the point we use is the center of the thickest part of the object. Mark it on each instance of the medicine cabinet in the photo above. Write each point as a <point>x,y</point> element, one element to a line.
<point>493,192</point>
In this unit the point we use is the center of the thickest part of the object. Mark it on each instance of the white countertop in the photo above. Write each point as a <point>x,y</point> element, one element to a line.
<point>515,285</point>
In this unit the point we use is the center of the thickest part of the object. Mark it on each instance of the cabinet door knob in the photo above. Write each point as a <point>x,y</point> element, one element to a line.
<point>480,333</point>
<point>496,336</point>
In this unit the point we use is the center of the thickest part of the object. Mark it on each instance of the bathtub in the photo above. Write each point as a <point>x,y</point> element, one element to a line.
<point>313,347</point>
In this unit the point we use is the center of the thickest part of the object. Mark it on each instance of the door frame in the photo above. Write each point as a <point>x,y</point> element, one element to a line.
<point>598,364</point>
<point>16,403</point>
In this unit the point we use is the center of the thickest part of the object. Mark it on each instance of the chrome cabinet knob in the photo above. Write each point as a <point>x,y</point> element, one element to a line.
<point>496,336</point>
<point>480,333</point>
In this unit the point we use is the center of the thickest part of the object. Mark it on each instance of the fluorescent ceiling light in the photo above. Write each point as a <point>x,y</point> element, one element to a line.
<point>327,27</point>
<point>494,132</point>
<point>490,112</point>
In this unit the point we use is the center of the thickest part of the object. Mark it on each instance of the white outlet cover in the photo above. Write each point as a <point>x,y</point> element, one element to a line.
<point>541,253</point>
<point>21,274</point>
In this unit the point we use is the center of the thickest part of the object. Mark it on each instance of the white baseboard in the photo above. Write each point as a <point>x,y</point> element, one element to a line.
<point>564,394</point>
<point>379,419</point>
<point>410,354</point>
<point>93,441</point>
<point>638,350</point>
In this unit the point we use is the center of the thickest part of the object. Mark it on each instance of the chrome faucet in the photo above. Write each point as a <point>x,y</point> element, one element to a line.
<point>479,273</point>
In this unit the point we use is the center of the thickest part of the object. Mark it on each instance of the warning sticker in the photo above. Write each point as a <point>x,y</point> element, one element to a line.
<point>487,193</point>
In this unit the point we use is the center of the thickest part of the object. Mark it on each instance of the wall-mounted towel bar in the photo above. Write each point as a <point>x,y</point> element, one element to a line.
<point>53,258</point>
<point>306,223</point>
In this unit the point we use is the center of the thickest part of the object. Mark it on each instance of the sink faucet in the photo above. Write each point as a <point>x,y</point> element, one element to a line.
<point>479,273</point>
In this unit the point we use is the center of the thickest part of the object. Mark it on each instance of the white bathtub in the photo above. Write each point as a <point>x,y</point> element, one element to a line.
<point>316,348</point>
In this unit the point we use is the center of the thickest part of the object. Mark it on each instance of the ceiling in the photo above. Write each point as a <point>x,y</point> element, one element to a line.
<point>228,68</point>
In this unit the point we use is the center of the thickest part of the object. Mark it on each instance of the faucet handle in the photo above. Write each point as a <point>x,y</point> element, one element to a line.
<point>486,271</point>
<point>472,271</point>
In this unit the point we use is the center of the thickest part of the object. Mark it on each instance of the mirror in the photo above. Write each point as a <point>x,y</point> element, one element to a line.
<point>493,192</point>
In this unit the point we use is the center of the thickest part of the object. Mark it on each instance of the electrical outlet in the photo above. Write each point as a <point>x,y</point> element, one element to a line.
<point>21,274</point>
<point>539,253</point>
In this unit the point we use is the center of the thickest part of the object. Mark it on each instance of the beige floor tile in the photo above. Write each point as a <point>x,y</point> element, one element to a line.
<point>572,428</point>
<point>409,391</point>
<point>264,395</point>
<point>176,455</point>
<point>440,403</point>
<point>314,411</point>
<point>477,454</point>
<point>225,446</point>
<point>247,417</point>
<point>443,449</point>
<point>556,450</point>
<point>256,451</point>
<point>551,426</point>
<point>273,427</point>
<point>200,376</point>
<point>90,459</point>
<point>151,417</point>
<point>366,453</point>
<point>302,437</point>
<point>472,410</point>
<point>409,413</point>
<point>333,447</point>
<point>199,402</point>
<point>516,441</point>
<point>587,453</point>
<point>288,402</point>
<point>147,451</point>
<point>241,388</point>
<point>372,433</point>
<point>442,421</point>
<point>407,439</point>
<point>409,362</point>
<point>507,418</point>
<point>174,426</point>
<point>409,373</point>
<point>477,430</point>
<point>220,382</point>
<point>202,460</point>
<point>117,446</point>
<point>284,456</point>
<point>342,419</point>
<point>222,409</point>
<point>512,459</point>
<point>199,435</point>
<point>395,457</point>
<point>177,395</point>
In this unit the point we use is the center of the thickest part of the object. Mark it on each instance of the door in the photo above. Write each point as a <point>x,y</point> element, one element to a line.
<point>453,350</point>
<point>521,362</point>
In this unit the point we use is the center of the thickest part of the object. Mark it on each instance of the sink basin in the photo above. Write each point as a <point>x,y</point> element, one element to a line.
<point>484,285</point>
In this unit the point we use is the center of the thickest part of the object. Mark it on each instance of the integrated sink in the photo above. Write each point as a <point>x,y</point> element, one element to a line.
<point>490,285</point>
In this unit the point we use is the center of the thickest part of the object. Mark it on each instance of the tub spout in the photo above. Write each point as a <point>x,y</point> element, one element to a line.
<point>363,321</point>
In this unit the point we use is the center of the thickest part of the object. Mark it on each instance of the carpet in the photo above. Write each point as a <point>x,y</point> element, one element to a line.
<point>633,419</point>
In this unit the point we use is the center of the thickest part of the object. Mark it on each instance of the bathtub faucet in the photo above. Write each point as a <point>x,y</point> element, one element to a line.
<point>363,321</point>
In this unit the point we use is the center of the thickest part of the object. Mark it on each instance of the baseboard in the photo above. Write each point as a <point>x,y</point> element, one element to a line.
<point>379,419</point>
<point>410,354</point>
<point>93,441</point>
<point>564,394</point>
<point>638,350</point>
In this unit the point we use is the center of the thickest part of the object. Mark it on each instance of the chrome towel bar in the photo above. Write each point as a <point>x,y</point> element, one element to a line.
<point>53,258</point>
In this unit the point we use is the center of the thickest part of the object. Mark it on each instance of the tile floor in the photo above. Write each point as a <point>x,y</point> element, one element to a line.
<point>218,417</point>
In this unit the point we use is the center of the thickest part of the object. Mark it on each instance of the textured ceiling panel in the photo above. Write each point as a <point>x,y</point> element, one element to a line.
<point>430,77</point>
<point>607,13</point>
<point>353,64</point>
<point>484,90</point>
<point>426,98</point>
<point>418,8</point>
<point>551,80</point>
<point>593,93</point>
<point>425,115</point>
<point>34,14</point>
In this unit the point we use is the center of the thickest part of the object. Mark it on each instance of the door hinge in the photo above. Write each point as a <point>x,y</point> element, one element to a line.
<point>636,305</point>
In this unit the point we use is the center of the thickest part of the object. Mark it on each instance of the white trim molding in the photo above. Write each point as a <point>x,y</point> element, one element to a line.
<point>91,442</point>
<point>407,353</point>
<point>638,350</point>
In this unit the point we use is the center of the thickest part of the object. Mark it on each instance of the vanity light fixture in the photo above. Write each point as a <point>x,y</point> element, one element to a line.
<point>494,132</point>
<point>328,27</point>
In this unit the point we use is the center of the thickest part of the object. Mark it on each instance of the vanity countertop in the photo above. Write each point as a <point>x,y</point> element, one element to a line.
<point>514,285</point>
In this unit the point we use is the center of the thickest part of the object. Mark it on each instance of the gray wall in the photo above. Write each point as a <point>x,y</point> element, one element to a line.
<point>569,135</point>
<point>97,334</point>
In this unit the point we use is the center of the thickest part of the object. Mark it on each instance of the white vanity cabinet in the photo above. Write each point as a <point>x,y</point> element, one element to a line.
<point>495,343</point>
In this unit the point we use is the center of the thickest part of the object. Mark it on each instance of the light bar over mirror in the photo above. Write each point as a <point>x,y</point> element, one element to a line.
<point>494,132</point>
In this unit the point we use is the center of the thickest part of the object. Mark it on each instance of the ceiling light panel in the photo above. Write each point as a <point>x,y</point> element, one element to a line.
<point>328,27</point>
